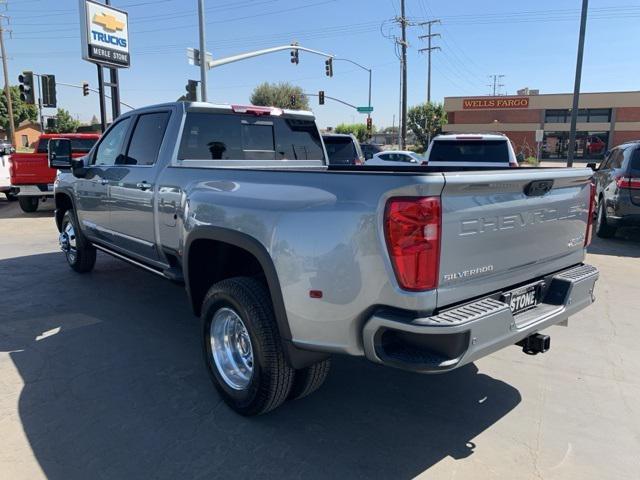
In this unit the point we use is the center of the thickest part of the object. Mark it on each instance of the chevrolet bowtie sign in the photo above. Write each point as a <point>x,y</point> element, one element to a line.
<point>105,34</point>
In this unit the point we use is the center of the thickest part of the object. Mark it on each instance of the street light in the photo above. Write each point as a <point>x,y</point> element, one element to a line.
<point>364,68</point>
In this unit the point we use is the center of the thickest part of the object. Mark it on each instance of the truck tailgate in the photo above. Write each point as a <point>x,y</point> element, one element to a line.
<point>505,228</point>
<point>31,169</point>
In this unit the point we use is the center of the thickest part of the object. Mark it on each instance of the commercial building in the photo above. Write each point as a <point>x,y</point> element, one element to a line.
<point>605,119</point>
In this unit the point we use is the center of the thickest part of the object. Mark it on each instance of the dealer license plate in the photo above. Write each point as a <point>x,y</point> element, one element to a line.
<point>523,298</point>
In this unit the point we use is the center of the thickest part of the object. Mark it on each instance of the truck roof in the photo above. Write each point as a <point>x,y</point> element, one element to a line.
<point>47,136</point>
<point>233,108</point>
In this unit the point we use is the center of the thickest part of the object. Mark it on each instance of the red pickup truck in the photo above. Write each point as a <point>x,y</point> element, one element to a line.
<point>30,172</point>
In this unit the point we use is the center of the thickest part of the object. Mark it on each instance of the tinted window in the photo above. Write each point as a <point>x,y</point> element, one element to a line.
<point>616,159</point>
<point>146,139</point>
<point>341,150</point>
<point>470,151</point>
<point>78,145</point>
<point>634,165</point>
<point>600,115</point>
<point>112,143</point>
<point>555,116</point>
<point>218,136</point>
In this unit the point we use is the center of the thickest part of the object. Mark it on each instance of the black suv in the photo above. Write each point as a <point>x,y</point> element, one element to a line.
<point>618,189</point>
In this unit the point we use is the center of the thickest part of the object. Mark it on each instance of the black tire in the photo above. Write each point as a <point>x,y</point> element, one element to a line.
<point>28,204</point>
<point>271,378</point>
<point>308,380</point>
<point>82,258</point>
<point>603,229</point>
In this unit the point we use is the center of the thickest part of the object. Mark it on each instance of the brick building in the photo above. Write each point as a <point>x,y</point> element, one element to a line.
<point>604,120</point>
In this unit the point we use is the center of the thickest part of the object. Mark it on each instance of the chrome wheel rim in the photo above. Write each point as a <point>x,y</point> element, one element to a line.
<point>68,242</point>
<point>599,216</point>
<point>231,348</point>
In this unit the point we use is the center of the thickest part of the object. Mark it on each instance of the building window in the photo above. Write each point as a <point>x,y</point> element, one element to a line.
<point>24,139</point>
<point>602,115</point>
<point>555,116</point>
<point>589,145</point>
<point>585,115</point>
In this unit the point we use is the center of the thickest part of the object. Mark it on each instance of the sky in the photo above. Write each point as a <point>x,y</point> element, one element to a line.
<point>533,44</point>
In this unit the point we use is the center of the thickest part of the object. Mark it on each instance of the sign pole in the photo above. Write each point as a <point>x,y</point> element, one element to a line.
<point>103,113</point>
<point>203,52</point>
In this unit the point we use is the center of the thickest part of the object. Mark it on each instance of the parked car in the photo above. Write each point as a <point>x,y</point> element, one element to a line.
<point>618,189</point>
<point>471,150</point>
<point>31,176</point>
<point>595,145</point>
<point>6,148</point>
<point>399,158</point>
<point>370,149</point>
<point>343,149</point>
<point>288,260</point>
<point>5,177</point>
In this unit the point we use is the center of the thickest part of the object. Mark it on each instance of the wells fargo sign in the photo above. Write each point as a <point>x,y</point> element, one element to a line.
<point>500,102</point>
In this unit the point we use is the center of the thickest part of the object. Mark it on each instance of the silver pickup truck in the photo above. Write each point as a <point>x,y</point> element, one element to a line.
<point>288,260</point>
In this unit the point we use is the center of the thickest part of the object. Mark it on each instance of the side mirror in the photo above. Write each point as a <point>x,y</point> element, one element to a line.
<point>59,153</point>
<point>592,166</point>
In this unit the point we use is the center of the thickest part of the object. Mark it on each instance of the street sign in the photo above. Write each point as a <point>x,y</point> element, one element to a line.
<point>539,135</point>
<point>193,57</point>
<point>104,34</point>
<point>364,109</point>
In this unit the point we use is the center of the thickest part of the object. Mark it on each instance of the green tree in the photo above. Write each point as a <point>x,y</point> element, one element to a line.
<point>21,110</point>
<point>283,95</point>
<point>359,130</point>
<point>426,118</point>
<point>65,123</point>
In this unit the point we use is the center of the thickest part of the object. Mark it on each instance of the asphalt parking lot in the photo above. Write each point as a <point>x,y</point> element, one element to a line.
<point>101,376</point>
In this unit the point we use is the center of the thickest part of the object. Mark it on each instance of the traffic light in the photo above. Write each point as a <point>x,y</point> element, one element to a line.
<point>48,91</point>
<point>293,101</point>
<point>294,56</point>
<point>321,97</point>
<point>85,88</point>
<point>328,67</point>
<point>369,123</point>
<point>26,88</point>
<point>192,90</point>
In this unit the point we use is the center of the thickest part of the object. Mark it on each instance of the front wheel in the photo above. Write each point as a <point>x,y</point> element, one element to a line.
<point>28,204</point>
<point>80,254</point>
<point>242,346</point>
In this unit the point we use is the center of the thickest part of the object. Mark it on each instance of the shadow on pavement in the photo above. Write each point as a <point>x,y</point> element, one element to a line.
<point>115,387</point>
<point>626,243</point>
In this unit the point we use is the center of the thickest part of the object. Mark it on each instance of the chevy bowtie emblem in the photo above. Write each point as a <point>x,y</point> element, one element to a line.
<point>108,22</point>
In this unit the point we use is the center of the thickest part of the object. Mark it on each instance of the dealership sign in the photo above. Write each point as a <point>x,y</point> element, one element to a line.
<point>495,102</point>
<point>104,34</point>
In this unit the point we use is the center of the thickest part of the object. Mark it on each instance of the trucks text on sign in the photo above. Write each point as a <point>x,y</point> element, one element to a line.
<point>105,34</point>
<point>489,103</point>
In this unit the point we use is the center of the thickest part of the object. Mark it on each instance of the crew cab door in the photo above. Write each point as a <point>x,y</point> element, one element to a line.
<point>133,184</point>
<point>92,190</point>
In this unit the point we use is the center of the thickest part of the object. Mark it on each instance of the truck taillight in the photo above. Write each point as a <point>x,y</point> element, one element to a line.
<point>592,209</point>
<point>630,183</point>
<point>412,230</point>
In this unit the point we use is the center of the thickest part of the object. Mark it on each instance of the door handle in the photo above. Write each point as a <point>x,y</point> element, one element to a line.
<point>143,186</point>
<point>104,181</point>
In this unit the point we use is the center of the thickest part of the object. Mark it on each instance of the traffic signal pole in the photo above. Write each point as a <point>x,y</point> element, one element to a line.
<point>203,52</point>
<point>7,88</point>
<point>576,86</point>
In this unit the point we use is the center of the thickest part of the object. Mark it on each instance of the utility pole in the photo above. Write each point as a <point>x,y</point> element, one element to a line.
<point>203,52</point>
<point>496,83</point>
<point>429,49</point>
<point>403,109</point>
<point>576,86</point>
<point>7,88</point>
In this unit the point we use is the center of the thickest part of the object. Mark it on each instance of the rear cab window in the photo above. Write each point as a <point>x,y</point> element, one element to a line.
<point>233,137</point>
<point>341,150</point>
<point>494,151</point>
<point>78,145</point>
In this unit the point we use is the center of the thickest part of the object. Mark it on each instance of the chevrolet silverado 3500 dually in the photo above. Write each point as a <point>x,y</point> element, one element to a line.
<point>288,260</point>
